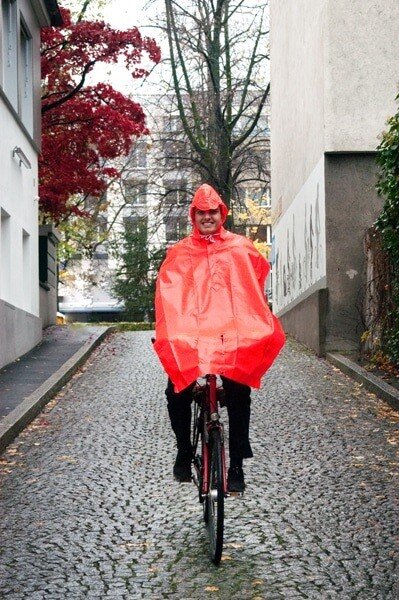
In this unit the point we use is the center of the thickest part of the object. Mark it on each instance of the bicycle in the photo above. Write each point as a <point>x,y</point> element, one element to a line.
<point>209,460</point>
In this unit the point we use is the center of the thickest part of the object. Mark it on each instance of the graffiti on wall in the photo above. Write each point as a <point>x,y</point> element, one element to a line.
<point>299,256</point>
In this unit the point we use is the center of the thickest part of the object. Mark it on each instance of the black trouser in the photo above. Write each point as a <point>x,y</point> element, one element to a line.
<point>238,402</point>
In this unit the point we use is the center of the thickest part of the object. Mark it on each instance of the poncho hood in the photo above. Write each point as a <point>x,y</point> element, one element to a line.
<point>207,198</point>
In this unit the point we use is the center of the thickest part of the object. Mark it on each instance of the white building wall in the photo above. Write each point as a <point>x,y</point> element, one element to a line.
<point>361,72</point>
<point>20,322</point>
<point>334,78</point>
<point>297,32</point>
<point>18,199</point>
<point>329,92</point>
<point>299,239</point>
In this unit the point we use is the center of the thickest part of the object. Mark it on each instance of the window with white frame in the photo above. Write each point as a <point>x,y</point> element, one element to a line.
<point>174,154</point>
<point>136,226</point>
<point>261,194</point>
<point>138,156</point>
<point>264,233</point>
<point>135,193</point>
<point>5,256</point>
<point>176,193</point>
<point>175,228</point>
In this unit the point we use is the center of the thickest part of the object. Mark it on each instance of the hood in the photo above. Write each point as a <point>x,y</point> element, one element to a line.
<point>207,198</point>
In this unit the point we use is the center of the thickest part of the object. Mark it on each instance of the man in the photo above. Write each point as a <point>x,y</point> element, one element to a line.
<point>212,317</point>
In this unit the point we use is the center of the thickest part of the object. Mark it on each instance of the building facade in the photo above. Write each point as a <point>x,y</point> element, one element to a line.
<point>20,23</point>
<point>335,75</point>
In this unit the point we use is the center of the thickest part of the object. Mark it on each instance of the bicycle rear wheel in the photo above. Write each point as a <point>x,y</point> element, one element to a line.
<point>215,498</point>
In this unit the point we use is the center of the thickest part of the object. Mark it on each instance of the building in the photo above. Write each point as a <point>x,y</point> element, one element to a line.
<point>20,322</point>
<point>155,188</point>
<point>334,74</point>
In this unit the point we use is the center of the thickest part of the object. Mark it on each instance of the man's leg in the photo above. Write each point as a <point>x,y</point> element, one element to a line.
<point>179,409</point>
<point>238,400</point>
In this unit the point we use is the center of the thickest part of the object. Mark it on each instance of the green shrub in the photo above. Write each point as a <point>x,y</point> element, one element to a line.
<point>388,224</point>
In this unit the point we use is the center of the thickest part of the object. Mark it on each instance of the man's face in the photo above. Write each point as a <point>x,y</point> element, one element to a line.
<point>208,221</point>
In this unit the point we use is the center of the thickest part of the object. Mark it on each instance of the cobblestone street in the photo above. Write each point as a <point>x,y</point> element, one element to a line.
<point>89,508</point>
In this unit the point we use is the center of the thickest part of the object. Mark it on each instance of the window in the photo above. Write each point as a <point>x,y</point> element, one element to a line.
<point>138,156</point>
<point>171,123</point>
<point>26,79</point>
<point>135,193</point>
<point>264,233</point>
<point>173,154</point>
<point>102,235</point>
<point>5,254</point>
<point>261,195</point>
<point>176,193</point>
<point>26,267</point>
<point>17,76</point>
<point>10,53</point>
<point>175,228</point>
<point>136,225</point>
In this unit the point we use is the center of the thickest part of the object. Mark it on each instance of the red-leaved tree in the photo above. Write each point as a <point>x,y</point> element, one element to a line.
<point>84,126</point>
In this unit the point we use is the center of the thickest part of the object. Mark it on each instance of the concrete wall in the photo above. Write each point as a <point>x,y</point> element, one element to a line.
<point>48,306</point>
<point>297,32</point>
<point>20,331</point>
<point>334,76</point>
<point>335,72</point>
<point>312,311</point>
<point>352,205</point>
<point>361,72</point>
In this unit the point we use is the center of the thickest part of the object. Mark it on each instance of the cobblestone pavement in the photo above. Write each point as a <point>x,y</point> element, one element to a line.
<point>89,508</point>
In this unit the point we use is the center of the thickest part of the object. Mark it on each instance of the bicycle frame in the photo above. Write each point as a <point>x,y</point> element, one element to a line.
<point>207,418</point>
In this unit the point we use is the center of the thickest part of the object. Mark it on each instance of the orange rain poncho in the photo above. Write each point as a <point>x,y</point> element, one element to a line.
<point>211,311</point>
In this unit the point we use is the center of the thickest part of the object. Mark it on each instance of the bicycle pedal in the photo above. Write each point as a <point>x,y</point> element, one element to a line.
<point>235,494</point>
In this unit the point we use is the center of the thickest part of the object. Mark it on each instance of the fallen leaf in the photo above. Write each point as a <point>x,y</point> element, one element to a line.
<point>67,458</point>
<point>13,451</point>
<point>211,588</point>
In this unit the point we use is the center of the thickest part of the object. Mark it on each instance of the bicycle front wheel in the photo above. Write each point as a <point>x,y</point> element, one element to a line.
<point>215,497</point>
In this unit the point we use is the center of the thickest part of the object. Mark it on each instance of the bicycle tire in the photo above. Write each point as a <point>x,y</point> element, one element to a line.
<point>215,498</point>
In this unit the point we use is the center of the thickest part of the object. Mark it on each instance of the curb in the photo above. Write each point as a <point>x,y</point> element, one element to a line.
<point>22,415</point>
<point>371,382</point>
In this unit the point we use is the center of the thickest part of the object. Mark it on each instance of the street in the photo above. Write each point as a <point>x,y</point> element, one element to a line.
<point>89,508</point>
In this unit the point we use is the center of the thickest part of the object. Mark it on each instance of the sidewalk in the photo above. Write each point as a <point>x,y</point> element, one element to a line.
<point>29,382</point>
<point>386,389</point>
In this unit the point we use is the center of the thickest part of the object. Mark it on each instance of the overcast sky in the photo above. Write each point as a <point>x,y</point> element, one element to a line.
<point>124,14</point>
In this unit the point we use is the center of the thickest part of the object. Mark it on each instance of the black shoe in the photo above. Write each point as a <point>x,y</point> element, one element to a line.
<point>235,480</point>
<point>182,466</point>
